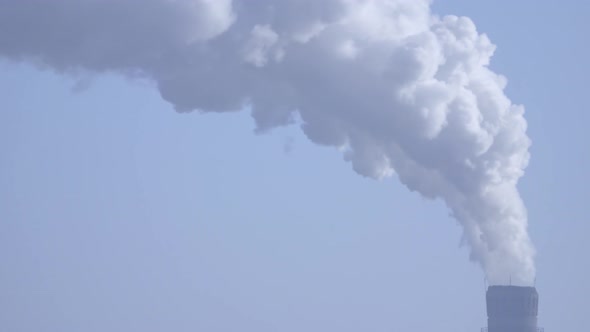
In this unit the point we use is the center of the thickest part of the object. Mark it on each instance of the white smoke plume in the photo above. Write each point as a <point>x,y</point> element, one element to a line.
<point>400,90</point>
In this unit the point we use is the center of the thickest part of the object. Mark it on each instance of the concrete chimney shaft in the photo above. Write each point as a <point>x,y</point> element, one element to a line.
<point>512,309</point>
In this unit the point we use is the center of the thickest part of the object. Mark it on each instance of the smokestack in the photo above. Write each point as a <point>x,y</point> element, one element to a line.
<point>512,309</point>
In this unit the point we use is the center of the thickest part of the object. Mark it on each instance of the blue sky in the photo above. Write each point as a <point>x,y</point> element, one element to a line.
<point>119,214</point>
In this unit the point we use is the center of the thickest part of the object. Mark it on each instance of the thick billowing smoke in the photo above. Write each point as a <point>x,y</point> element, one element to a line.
<point>399,90</point>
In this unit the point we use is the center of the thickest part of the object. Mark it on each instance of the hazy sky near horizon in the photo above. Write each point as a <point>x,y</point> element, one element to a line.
<point>119,214</point>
